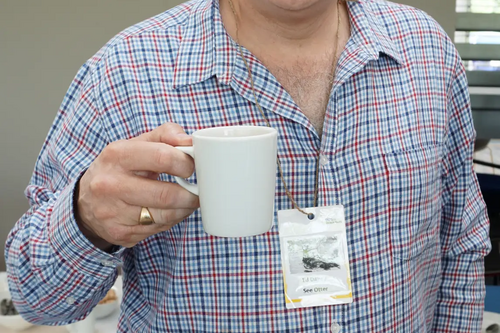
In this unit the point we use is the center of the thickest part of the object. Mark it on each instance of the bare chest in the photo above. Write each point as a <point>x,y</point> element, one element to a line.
<point>309,88</point>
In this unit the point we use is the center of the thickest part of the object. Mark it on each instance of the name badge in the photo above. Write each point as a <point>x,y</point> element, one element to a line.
<point>314,257</point>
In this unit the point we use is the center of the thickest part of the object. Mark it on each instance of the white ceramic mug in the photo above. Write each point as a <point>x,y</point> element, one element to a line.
<point>84,326</point>
<point>236,174</point>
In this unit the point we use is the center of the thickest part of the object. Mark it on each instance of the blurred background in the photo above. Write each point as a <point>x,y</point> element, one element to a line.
<point>43,44</point>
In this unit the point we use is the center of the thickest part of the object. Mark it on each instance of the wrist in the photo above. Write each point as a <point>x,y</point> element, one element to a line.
<point>97,241</point>
<point>93,238</point>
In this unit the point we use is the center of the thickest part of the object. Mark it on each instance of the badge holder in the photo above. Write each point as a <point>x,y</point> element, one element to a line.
<point>314,257</point>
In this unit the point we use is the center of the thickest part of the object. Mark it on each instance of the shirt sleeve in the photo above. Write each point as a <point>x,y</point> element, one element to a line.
<point>464,225</point>
<point>56,276</point>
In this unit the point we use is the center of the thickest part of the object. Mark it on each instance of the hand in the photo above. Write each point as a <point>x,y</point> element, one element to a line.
<point>123,178</point>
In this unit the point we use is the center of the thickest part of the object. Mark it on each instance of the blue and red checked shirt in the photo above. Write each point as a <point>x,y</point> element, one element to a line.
<point>396,151</point>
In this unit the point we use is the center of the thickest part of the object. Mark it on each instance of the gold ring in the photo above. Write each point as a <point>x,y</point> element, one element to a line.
<point>146,218</point>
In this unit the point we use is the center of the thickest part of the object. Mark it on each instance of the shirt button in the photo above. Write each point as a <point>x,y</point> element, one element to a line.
<point>336,328</point>
<point>107,263</point>
<point>70,300</point>
<point>323,160</point>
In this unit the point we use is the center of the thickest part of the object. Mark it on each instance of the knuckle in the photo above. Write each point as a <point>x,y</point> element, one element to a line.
<point>168,130</point>
<point>113,151</point>
<point>98,185</point>
<point>164,131</point>
<point>168,127</point>
<point>101,185</point>
<point>162,158</point>
<point>165,126</point>
<point>165,195</point>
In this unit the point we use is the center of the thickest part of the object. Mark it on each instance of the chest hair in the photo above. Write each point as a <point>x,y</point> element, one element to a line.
<point>309,86</point>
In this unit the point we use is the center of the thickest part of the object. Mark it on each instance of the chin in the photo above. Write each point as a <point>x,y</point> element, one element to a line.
<point>295,5</point>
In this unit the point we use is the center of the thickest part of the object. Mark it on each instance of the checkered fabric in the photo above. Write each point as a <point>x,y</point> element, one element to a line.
<point>396,151</point>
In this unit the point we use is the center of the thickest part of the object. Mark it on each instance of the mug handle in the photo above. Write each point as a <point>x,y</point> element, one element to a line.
<point>182,182</point>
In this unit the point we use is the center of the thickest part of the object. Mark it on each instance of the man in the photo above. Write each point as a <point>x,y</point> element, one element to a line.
<point>373,93</point>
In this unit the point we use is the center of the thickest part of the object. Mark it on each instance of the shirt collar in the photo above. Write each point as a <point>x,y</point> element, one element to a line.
<point>206,49</point>
<point>369,30</point>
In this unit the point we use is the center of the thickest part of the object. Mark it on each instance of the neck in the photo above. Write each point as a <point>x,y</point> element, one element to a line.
<point>261,24</point>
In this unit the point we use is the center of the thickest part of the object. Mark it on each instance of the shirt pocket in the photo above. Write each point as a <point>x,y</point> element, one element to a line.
<point>414,197</point>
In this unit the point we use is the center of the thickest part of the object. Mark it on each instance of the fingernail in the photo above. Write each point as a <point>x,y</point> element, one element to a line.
<point>183,136</point>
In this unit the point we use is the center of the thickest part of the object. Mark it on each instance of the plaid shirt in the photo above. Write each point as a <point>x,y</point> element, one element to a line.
<point>396,151</point>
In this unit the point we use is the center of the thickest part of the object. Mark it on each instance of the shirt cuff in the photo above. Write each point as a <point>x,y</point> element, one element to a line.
<point>71,245</point>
